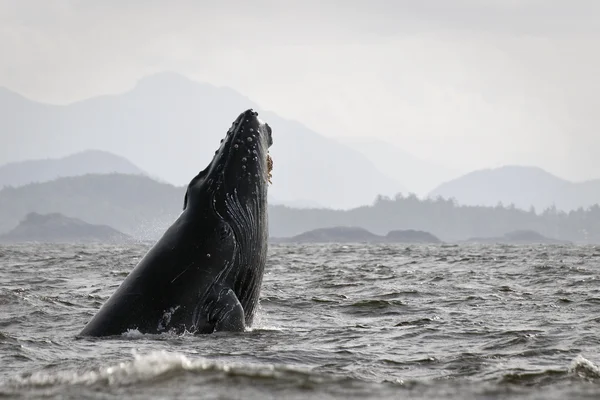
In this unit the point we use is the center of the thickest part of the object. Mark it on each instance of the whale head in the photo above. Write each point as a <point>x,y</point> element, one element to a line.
<point>240,169</point>
<point>231,192</point>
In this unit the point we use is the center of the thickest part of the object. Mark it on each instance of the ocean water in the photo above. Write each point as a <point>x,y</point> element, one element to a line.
<point>335,321</point>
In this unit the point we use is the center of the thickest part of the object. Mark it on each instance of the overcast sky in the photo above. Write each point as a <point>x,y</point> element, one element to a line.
<point>470,83</point>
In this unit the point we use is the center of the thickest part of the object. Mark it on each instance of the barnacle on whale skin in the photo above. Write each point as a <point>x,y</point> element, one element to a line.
<point>269,168</point>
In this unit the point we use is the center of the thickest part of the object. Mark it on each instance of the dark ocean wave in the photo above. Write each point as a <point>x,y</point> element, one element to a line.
<point>334,321</point>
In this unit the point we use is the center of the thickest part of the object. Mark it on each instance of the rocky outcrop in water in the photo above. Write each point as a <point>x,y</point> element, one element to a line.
<point>352,234</point>
<point>520,237</point>
<point>57,228</point>
<point>411,236</point>
<point>338,234</point>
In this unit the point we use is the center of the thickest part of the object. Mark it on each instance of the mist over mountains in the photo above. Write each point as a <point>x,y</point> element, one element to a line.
<point>523,187</point>
<point>167,127</point>
<point>133,204</point>
<point>86,162</point>
<point>170,127</point>
<point>417,175</point>
<point>91,162</point>
<point>143,208</point>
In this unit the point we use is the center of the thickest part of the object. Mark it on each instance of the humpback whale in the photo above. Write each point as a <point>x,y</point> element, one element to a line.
<point>205,273</point>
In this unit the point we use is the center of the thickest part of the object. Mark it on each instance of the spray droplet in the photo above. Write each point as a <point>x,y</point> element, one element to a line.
<point>244,159</point>
<point>235,146</point>
<point>249,139</point>
<point>208,255</point>
<point>251,130</point>
<point>243,167</point>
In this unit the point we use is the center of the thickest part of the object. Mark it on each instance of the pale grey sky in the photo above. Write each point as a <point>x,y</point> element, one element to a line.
<point>470,83</point>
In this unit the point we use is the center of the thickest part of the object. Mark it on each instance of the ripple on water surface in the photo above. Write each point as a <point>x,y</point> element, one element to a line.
<point>334,322</point>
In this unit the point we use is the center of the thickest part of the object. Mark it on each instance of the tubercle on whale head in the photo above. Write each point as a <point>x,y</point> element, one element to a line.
<point>242,163</point>
<point>247,147</point>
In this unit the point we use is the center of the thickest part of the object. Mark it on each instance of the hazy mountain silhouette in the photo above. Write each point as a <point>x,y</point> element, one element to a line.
<point>522,186</point>
<point>417,175</point>
<point>144,208</point>
<point>86,162</point>
<point>519,237</point>
<point>353,234</point>
<point>57,228</point>
<point>133,204</point>
<point>170,127</point>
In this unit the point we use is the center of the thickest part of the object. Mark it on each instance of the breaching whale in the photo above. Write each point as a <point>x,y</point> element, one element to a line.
<point>205,273</point>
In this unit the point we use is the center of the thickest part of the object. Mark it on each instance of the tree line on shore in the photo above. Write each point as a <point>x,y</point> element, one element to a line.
<point>142,207</point>
<point>445,219</point>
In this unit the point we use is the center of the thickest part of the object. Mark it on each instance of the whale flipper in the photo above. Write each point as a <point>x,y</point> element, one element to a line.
<point>228,313</point>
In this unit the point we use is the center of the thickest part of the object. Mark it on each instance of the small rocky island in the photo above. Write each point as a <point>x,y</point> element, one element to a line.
<point>411,236</point>
<point>58,228</point>
<point>340,234</point>
<point>353,234</point>
<point>519,237</point>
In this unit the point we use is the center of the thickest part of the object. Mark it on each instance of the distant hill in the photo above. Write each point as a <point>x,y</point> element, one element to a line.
<point>85,162</point>
<point>519,237</point>
<point>337,234</point>
<point>411,236</point>
<point>170,127</point>
<point>57,228</point>
<point>522,186</point>
<point>355,234</point>
<point>144,208</point>
<point>133,204</point>
<point>418,176</point>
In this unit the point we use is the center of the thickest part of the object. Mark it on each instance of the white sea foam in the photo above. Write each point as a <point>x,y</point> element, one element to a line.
<point>145,368</point>
<point>584,368</point>
<point>142,367</point>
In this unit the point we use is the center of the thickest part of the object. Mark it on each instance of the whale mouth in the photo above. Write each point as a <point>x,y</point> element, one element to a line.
<point>269,135</point>
<point>269,168</point>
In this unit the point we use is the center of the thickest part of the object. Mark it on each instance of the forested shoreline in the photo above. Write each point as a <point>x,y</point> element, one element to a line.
<point>444,218</point>
<point>144,208</point>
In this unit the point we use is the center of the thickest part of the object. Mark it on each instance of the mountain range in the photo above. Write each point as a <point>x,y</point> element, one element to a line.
<point>524,187</point>
<point>170,127</point>
<point>56,228</point>
<point>143,208</point>
<point>133,204</point>
<point>86,162</point>
<point>167,127</point>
